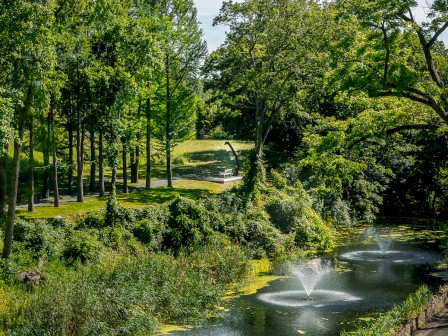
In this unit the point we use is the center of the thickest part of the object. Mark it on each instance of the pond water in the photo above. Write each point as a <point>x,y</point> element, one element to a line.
<point>367,280</point>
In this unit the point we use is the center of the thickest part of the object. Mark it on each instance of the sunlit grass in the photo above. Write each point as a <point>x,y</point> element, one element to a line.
<point>137,199</point>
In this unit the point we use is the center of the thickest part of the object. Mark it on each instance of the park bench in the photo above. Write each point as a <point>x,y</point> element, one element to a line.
<point>226,173</point>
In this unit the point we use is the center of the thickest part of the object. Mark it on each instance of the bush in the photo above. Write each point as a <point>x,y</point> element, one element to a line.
<point>81,245</point>
<point>116,215</point>
<point>119,239</point>
<point>93,220</point>
<point>218,133</point>
<point>283,211</point>
<point>312,233</point>
<point>150,233</point>
<point>150,225</point>
<point>261,237</point>
<point>188,225</point>
<point>39,237</point>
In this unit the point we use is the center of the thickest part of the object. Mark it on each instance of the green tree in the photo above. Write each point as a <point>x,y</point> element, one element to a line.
<point>27,58</point>
<point>394,54</point>
<point>182,50</point>
<point>271,54</point>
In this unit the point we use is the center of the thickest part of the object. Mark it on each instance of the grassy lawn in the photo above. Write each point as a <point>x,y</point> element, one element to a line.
<point>195,156</point>
<point>191,156</point>
<point>137,199</point>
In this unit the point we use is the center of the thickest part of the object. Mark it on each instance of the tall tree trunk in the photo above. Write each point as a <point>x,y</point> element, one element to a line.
<point>169,172</point>
<point>132,164</point>
<point>125,170</point>
<point>113,180</point>
<point>46,154</point>
<point>136,163</point>
<point>93,163</point>
<point>3,182</point>
<point>70,157</point>
<point>55,160</point>
<point>101,165</point>
<point>79,144</point>
<point>148,144</point>
<point>31,167</point>
<point>7,245</point>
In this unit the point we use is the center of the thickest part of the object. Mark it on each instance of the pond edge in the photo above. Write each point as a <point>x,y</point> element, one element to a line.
<point>436,305</point>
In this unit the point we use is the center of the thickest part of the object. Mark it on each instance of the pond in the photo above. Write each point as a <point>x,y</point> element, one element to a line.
<point>375,271</point>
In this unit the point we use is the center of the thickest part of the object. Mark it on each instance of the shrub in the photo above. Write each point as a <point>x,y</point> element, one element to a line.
<point>93,220</point>
<point>312,233</point>
<point>119,239</point>
<point>283,211</point>
<point>39,237</point>
<point>218,133</point>
<point>81,245</point>
<point>188,225</point>
<point>278,181</point>
<point>150,225</point>
<point>261,237</point>
<point>116,215</point>
<point>150,233</point>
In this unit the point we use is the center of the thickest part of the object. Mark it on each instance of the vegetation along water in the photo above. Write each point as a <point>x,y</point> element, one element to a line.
<point>145,181</point>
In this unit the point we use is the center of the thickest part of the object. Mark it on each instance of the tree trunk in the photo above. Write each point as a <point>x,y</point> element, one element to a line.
<point>31,167</point>
<point>70,158</point>
<point>113,180</point>
<point>148,144</point>
<point>132,164</point>
<point>79,164</point>
<point>7,246</point>
<point>125,170</point>
<point>3,182</point>
<point>137,148</point>
<point>79,145</point>
<point>101,164</point>
<point>55,160</point>
<point>137,162</point>
<point>46,154</point>
<point>169,173</point>
<point>93,163</point>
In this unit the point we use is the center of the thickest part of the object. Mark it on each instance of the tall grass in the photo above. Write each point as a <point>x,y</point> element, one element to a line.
<point>391,321</point>
<point>128,295</point>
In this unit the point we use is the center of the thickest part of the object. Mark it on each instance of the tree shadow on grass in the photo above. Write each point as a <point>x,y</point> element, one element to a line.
<point>161,195</point>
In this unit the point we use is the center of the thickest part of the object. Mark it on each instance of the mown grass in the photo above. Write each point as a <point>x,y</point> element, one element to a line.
<point>136,199</point>
<point>189,157</point>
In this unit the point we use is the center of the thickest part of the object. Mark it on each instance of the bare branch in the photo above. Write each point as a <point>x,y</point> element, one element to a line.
<point>437,34</point>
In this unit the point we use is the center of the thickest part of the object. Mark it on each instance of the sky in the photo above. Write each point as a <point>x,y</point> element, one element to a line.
<point>215,36</point>
<point>207,11</point>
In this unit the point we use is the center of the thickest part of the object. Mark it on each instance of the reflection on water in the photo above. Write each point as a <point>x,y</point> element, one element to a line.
<point>369,283</point>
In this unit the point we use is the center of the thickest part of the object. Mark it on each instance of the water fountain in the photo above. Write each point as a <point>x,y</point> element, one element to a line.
<point>384,244</point>
<point>384,255</point>
<point>309,275</point>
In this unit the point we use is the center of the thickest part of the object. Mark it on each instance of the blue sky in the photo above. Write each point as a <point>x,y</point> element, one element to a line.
<point>215,36</point>
<point>207,11</point>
